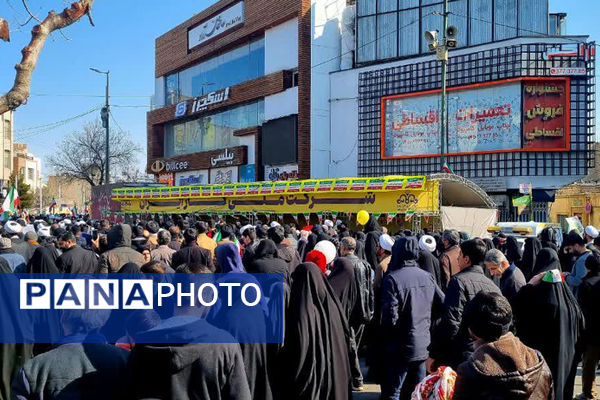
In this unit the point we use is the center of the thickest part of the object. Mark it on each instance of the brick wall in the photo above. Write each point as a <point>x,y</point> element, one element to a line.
<point>172,48</point>
<point>304,74</point>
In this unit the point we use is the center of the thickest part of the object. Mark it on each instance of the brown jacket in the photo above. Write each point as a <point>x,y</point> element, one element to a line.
<point>504,369</point>
<point>450,264</point>
<point>207,243</point>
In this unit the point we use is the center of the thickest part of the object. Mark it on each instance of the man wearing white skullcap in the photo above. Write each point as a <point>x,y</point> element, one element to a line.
<point>427,261</point>
<point>589,235</point>
<point>384,255</point>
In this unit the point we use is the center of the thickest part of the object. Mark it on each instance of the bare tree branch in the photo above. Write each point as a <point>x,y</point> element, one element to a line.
<point>19,93</point>
<point>29,12</point>
<point>82,155</point>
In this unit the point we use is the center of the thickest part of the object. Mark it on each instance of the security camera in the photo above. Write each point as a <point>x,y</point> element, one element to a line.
<point>451,32</point>
<point>451,43</point>
<point>431,36</point>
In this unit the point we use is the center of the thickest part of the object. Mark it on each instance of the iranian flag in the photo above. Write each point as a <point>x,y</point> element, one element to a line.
<point>11,202</point>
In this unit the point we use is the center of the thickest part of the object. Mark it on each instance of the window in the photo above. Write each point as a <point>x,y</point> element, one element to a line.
<point>30,174</point>
<point>241,64</point>
<point>394,28</point>
<point>7,159</point>
<point>7,129</point>
<point>210,132</point>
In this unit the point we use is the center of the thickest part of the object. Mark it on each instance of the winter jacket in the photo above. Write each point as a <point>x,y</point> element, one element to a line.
<point>589,299</point>
<point>74,371</point>
<point>193,254</point>
<point>212,371</point>
<point>23,248</point>
<point>410,296</point>
<point>250,254</point>
<point>429,263</point>
<point>449,264</point>
<point>120,251</point>
<point>365,296</point>
<point>163,253</point>
<point>504,369</point>
<point>77,261</point>
<point>511,282</point>
<point>579,272</point>
<point>15,261</point>
<point>288,254</point>
<point>451,343</point>
<point>207,243</point>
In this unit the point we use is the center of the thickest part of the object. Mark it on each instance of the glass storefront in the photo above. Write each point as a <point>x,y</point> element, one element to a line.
<point>235,66</point>
<point>214,131</point>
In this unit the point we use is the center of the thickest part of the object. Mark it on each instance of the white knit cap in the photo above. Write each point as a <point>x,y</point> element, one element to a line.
<point>328,249</point>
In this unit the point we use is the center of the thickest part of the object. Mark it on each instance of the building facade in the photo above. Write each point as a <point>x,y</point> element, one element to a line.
<point>67,193</point>
<point>27,165</point>
<point>7,134</point>
<point>242,92</point>
<point>521,99</point>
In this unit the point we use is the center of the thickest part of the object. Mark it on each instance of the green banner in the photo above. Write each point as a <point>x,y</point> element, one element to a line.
<point>521,201</point>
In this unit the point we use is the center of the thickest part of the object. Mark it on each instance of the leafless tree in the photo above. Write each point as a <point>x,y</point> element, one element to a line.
<point>82,155</point>
<point>19,93</point>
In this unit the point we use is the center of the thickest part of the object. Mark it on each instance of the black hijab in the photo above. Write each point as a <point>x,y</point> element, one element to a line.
<point>513,251</point>
<point>42,262</point>
<point>546,260</point>
<point>548,319</point>
<point>265,249</point>
<point>343,283</point>
<point>130,268</point>
<point>489,245</point>
<point>530,252</point>
<point>315,362</point>
<point>548,239</point>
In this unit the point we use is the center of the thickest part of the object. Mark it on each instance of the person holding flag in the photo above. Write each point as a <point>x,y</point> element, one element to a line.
<point>11,203</point>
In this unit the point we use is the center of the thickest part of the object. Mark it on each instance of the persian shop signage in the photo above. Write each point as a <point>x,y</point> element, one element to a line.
<point>221,23</point>
<point>202,103</point>
<point>231,156</point>
<point>526,114</point>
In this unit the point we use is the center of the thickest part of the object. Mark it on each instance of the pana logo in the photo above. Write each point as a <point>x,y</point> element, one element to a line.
<point>157,166</point>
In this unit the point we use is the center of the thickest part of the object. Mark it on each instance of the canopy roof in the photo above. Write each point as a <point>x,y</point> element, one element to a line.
<point>457,191</point>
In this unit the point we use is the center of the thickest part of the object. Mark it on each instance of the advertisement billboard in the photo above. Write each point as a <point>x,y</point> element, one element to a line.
<point>524,114</point>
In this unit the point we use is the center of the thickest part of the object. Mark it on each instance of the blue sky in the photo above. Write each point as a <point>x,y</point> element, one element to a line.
<point>123,41</point>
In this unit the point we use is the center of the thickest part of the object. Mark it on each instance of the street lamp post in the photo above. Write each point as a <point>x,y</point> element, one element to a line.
<point>105,117</point>
<point>441,48</point>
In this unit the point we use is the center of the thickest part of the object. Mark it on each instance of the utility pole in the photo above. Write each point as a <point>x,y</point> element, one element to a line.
<point>444,59</point>
<point>441,48</point>
<point>105,115</point>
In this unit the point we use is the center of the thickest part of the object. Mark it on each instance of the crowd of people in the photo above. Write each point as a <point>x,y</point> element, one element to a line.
<point>488,318</point>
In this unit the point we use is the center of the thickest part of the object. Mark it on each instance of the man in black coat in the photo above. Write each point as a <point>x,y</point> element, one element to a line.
<point>74,259</point>
<point>191,253</point>
<point>76,370</point>
<point>410,297</point>
<point>511,277</point>
<point>589,299</point>
<point>451,343</point>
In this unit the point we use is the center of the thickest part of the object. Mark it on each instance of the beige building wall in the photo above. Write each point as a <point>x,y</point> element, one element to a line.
<point>6,146</point>
<point>27,165</point>
<point>68,192</point>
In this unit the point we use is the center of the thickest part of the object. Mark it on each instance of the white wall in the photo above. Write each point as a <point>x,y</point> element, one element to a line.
<point>325,57</point>
<point>281,47</point>
<point>281,104</point>
<point>343,160</point>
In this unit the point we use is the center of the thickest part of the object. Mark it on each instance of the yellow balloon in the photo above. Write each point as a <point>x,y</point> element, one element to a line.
<point>362,217</point>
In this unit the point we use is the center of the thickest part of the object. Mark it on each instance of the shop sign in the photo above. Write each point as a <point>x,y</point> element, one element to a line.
<point>522,114</point>
<point>288,172</point>
<point>224,21</point>
<point>221,176</point>
<point>202,103</point>
<point>191,178</point>
<point>231,156</point>
<point>159,166</point>
<point>165,179</point>
<point>248,173</point>
<point>490,185</point>
<point>568,71</point>
<point>226,157</point>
